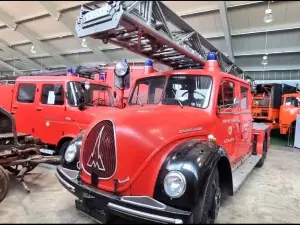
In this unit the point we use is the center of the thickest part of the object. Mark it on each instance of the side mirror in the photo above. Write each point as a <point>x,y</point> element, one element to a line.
<point>57,89</point>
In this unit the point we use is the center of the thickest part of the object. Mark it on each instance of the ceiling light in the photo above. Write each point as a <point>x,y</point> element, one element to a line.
<point>83,43</point>
<point>32,50</point>
<point>268,16</point>
<point>265,60</point>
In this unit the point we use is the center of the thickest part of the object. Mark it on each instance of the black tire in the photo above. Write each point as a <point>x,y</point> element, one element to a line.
<point>264,156</point>
<point>207,209</point>
<point>4,183</point>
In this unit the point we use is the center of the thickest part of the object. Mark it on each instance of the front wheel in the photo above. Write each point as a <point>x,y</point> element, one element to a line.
<point>208,207</point>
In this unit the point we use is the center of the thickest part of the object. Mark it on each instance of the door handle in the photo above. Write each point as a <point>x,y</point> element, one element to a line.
<point>39,109</point>
<point>15,106</point>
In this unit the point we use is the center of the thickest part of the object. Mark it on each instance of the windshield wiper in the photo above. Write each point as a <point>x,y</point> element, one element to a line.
<point>180,103</point>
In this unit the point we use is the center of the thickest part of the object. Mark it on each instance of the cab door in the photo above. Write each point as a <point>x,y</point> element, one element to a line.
<point>227,124</point>
<point>23,107</point>
<point>245,121</point>
<point>51,112</point>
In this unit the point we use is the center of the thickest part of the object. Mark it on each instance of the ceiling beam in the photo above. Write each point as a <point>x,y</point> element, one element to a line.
<point>226,28</point>
<point>20,55</point>
<point>70,24</point>
<point>8,20</point>
<point>270,68</point>
<point>10,67</point>
<point>215,9</point>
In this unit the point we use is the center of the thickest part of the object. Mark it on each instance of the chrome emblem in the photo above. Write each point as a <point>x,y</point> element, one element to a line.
<point>95,160</point>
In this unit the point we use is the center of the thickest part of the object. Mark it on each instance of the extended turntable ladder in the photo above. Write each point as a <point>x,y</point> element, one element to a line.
<point>152,30</point>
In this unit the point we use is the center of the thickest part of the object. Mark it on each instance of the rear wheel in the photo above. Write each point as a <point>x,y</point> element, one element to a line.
<point>264,155</point>
<point>208,207</point>
<point>4,183</point>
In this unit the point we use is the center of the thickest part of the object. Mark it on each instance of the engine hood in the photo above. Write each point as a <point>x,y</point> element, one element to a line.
<point>139,134</point>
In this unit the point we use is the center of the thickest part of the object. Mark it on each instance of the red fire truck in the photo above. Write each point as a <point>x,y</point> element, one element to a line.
<point>56,105</point>
<point>185,137</point>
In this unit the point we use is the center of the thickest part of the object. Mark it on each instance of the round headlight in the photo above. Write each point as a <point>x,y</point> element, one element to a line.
<point>121,69</point>
<point>70,153</point>
<point>174,184</point>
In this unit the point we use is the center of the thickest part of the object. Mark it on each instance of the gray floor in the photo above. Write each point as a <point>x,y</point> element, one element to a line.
<point>269,195</point>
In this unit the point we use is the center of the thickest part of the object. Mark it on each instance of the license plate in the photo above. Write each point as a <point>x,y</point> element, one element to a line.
<point>47,151</point>
<point>98,215</point>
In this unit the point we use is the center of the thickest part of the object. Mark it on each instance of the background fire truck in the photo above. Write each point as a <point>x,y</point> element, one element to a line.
<point>267,100</point>
<point>56,105</point>
<point>173,150</point>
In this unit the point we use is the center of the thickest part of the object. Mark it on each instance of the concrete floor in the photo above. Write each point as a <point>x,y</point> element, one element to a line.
<point>269,195</point>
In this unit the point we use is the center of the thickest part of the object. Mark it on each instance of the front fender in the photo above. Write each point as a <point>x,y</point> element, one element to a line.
<point>195,159</point>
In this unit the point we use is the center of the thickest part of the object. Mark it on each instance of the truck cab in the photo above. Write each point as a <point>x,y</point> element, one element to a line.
<point>288,112</point>
<point>190,137</point>
<point>55,108</point>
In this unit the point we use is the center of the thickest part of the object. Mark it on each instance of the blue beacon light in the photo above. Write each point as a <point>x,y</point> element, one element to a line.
<point>211,56</point>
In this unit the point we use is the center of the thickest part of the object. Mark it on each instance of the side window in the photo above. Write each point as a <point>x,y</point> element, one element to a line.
<point>244,98</point>
<point>226,94</point>
<point>49,97</point>
<point>26,93</point>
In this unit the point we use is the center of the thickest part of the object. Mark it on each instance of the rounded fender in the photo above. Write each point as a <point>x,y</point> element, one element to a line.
<point>195,159</point>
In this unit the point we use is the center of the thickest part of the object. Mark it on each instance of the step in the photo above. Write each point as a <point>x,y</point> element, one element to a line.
<point>240,174</point>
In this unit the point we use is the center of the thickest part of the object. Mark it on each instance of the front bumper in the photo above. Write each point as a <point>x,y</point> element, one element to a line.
<point>99,205</point>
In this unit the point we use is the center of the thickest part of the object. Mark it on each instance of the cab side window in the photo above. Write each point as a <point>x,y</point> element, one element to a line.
<point>52,94</point>
<point>226,94</point>
<point>244,98</point>
<point>26,93</point>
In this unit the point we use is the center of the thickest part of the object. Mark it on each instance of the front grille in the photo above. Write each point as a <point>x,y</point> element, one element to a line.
<point>99,151</point>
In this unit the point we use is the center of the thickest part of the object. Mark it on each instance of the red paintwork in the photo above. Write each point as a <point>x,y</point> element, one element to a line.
<point>146,134</point>
<point>31,121</point>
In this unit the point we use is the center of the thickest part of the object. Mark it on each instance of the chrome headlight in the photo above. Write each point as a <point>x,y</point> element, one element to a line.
<point>174,184</point>
<point>70,153</point>
<point>74,148</point>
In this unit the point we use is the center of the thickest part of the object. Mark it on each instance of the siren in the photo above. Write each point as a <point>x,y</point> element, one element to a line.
<point>212,63</point>
<point>148,66</point>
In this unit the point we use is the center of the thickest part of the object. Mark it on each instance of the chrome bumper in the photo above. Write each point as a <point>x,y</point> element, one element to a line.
<point>138,207</point>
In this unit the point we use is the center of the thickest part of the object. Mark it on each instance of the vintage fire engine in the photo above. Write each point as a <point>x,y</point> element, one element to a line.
<point>185,137</point>
<point>267,105</point>
<point>61,102</point>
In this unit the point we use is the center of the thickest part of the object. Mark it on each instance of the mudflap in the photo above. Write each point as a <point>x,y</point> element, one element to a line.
<point>94,209</point>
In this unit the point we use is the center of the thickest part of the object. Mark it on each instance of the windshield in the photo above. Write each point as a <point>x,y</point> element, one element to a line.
<point>182,90</point>
<point>261,102</point>
<point>96,95</point>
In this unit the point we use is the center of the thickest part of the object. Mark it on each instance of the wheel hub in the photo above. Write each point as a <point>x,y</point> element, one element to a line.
<point>216,203</point>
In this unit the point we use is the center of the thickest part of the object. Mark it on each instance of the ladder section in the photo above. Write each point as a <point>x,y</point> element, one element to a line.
<point>152,30</point>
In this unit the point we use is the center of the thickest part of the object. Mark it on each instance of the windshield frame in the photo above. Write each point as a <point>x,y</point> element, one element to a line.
<point>162,97</point>
<point>109,90</point>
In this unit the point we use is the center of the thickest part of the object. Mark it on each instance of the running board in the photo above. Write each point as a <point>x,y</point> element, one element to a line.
<point>240,174</point>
